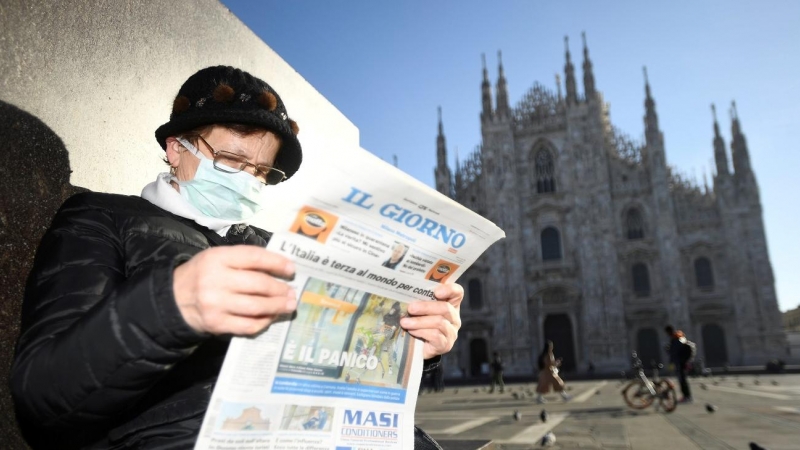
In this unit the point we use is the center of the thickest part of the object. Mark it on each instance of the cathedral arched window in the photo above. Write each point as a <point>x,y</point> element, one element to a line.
<point>703,274</point>
<point>634,225</point>
<point>545,172</point>
<point>475,293</point>
<point>641,280</point>
<point>551,244</point>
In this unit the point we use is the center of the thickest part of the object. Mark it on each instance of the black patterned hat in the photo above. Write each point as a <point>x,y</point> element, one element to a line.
<point>223,94</point>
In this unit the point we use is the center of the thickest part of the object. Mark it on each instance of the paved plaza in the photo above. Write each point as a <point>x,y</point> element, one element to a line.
<point>764,409</point>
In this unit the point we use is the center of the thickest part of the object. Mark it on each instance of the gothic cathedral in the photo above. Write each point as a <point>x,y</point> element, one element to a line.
<point>606,244</point>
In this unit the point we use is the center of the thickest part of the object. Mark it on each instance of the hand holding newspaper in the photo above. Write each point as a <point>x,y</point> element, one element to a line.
<point>341,373</point>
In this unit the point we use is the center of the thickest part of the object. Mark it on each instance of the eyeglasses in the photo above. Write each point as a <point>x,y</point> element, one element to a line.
<point>232,163</point>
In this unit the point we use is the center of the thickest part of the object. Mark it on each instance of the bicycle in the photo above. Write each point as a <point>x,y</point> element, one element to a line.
<point>641,392</point>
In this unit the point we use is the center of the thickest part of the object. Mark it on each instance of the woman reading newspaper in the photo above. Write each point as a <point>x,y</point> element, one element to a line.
<point>132,300</point>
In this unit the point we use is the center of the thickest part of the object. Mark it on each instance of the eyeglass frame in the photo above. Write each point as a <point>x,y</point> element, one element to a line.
<point>256,168</point>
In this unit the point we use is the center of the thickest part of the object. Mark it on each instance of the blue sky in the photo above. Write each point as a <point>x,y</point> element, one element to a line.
<point>388,65</point>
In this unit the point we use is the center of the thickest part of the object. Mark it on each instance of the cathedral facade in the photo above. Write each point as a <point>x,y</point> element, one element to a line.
<point>605,243</point>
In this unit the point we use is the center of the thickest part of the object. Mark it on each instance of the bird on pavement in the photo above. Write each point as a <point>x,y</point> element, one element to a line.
<point>548,439</point>
<point>455,391</point>
<point>543,416</point>
<point>754,446</point>
<point>475,391</point>
<point>703,386</point>
<point>740,384</point>
<point>756,382</point>
<point>710,408</point>
<point>774,383</point>
<point>517,415</point>
<point>716,383</point>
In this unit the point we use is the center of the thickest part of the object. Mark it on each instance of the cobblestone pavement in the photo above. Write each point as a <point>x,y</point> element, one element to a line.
<point>763,409</point>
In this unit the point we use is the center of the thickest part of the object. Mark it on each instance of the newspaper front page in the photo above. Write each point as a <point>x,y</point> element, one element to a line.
<point>341,373</point>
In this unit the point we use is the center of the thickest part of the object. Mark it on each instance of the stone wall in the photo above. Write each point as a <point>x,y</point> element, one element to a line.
<point>83,86</point>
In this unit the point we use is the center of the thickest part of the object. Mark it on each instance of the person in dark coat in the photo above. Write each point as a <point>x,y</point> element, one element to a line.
<point>131,301</point>
<point>679,359</point>
<point>497,373</point>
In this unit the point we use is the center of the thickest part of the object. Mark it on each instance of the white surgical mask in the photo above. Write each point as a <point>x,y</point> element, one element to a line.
<point>230,196</point>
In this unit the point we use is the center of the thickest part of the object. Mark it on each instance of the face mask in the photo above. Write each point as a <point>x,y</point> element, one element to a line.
<point>228,196</point>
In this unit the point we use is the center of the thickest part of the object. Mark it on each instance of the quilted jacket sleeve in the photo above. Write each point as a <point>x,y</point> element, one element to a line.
<point>94,338</point>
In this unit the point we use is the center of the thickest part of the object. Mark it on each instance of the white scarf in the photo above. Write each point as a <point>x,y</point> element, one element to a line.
<point>162,194</point>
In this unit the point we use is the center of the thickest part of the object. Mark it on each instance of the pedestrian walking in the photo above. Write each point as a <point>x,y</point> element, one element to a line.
<point>497,373</point>
<point>548,374</point>
<point>681,352</point>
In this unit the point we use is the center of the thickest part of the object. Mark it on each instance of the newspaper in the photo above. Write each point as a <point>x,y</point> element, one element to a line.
<point>341,373</point>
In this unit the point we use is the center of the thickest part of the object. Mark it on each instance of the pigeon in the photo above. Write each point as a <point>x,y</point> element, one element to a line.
<point>703,386</point>
<point>716,383</point>
<point>515,395</point>
<point>774,383</point>
<point>455,391</point>
<point>517,415</point>
<point>756,382</point>
<point>543,416</point>
<point>740,384</point>
<point>548,439</point>
<point>597,392</point>
<point>475,391</point>
<point>710,408</point>
<point>754,446</point>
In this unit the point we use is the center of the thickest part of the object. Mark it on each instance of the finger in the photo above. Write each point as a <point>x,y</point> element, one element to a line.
<point>438,322</point>
<point>258,306</point>
<point>243,326</point>
<point>451,292</point>
<point>254,282</point>
<point>428,308</point>
<point>255,258</point>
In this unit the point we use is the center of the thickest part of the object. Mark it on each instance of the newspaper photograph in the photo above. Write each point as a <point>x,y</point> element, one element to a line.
<point>340,373</point>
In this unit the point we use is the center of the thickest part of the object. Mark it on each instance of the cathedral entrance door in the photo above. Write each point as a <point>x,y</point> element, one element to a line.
<point>478,355</point>
<point>558,328</point>
<point>647,346</point>
<point>715,350</point>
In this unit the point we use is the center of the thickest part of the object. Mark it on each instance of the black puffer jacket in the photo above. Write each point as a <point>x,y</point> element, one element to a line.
<point>104,359</point>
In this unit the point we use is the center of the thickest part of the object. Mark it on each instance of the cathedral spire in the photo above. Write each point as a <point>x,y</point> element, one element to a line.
<point>720,156</point>
<point>441,148</point>
<point>442,172</point>
<point>558,87</point>
<point>569,72</point>
<point>502,90</point>
<point>486,92</point>
<point>651,130</point>
<point>740,154</point>
<point>588,74</point>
